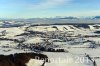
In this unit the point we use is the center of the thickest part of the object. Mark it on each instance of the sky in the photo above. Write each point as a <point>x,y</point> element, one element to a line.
<point>48,8</point>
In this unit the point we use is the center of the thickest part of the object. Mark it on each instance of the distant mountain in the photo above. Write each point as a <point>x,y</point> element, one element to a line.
<point>58,19</point>
<point>70,17</point>
<point>96,17</point>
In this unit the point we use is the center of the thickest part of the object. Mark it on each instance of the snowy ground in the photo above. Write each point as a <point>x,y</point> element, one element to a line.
<point>63,59</point>
<point>77,41</point>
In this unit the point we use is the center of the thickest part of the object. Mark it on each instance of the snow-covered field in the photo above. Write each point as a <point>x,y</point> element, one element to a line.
<point>65,45</point>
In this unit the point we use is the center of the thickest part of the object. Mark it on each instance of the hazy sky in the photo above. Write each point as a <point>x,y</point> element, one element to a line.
<point>48,8</point>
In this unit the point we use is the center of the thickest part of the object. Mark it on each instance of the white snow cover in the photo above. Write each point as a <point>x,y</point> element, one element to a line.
<point>34,40</point>
<point>8,43</point>
<point>42,28</point>
<point>8,51</point>
<point>10,32</point>
<point>96,39</point>
<point>74,53</point>
<point>63,59</point>
<point>62,27</point>
<point>34,62</point>
<point>50,28</point>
